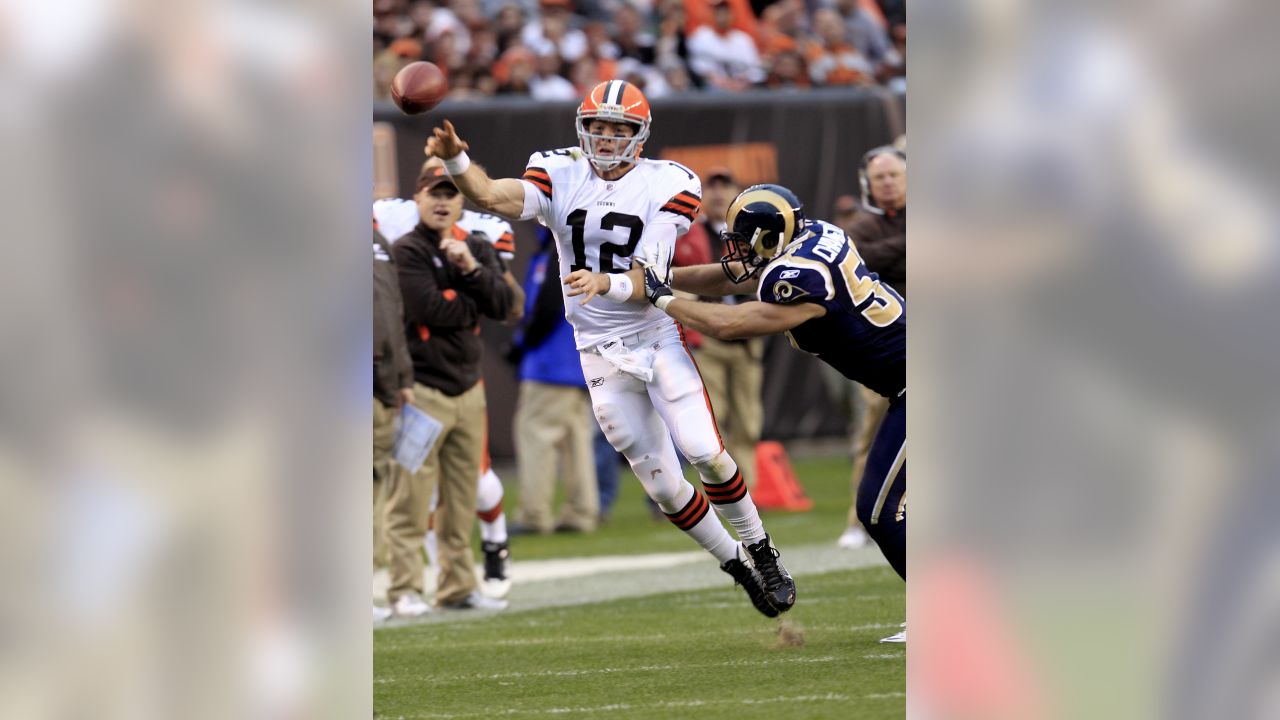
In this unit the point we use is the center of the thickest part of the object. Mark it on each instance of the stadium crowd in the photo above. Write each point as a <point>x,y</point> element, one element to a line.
<point>558,49</point>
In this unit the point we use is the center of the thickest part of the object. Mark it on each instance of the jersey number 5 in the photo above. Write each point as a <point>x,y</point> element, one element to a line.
<point>608,251</point>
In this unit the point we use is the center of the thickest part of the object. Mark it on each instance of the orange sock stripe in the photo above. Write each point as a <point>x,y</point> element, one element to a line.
<point>692,513</point>
<point>729,492</point>
<point>490,515</point>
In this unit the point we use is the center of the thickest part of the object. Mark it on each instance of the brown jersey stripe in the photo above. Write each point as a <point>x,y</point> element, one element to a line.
<point>678,211</point>
<point>546,189</point>
<point>685,201</point>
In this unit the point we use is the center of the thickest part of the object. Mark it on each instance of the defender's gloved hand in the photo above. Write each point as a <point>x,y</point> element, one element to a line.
<point>657,289</point>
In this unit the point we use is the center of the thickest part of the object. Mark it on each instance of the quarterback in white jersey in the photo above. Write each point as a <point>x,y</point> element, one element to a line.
<point>613,213</point>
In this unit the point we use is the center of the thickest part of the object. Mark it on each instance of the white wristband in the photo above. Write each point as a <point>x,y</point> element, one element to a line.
<point>458,164</point>
<point>662,302</point>
<point>619,287</point>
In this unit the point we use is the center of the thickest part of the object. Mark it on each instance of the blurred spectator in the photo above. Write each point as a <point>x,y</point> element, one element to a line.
<point>724,56</point>
<point>867,32</point>
<point>833,60</point>
<point>701,13</point>
<point>484,49</point>
<point>787,69</point>
<point>585,74</point>
<point>672,46</point>
<point>508,25</point>
<point>443,22</point>
<point>552,31</point>
<point>782,27</point>
<point>846,211</point>
<point>895,11</point>
<point>895,76</point>
<point>547,83</point>
<point>553,423</point>
<point>514,71</point>
<point>677,78</point>
<point>599,43</point>
<point>468,12</point>
<point>631,37</point>
<point>392,385</point>
<point>448,52</point>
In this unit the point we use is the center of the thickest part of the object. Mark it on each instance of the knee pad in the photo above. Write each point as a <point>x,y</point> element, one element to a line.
<point>695,433</point>
<point>662,485</point>
<point>717,467</point>
<point>616,428</point>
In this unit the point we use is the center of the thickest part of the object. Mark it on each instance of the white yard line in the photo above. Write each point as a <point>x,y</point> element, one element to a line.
<point>601,710</point>
<point>542,583</point>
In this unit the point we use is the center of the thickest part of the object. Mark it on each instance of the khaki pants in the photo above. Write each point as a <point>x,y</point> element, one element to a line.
<point>874,406</point>
<point>384,436</point>
<point>453,464</point>
<point>732,373</point>
<point>553,427</point>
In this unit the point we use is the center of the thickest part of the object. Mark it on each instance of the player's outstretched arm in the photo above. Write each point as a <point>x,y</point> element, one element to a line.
<point>746,320</point>
<point>728,322</point>
<point>504,196</point>
<point>710,280</point>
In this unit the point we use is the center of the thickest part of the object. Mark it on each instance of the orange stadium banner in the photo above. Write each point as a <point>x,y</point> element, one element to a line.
<point>751,163</point>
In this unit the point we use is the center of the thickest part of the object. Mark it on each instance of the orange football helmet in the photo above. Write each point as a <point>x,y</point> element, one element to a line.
<point>615,101</point>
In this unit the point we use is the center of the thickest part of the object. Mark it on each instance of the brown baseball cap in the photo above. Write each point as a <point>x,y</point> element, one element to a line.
<point>432,176</point>
<point>722,174</point>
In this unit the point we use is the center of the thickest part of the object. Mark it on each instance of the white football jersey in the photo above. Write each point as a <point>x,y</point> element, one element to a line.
<point>602,225</point>
<point>396,217</point>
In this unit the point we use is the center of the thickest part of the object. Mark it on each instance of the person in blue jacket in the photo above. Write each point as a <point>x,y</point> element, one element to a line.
<point>553,422</point>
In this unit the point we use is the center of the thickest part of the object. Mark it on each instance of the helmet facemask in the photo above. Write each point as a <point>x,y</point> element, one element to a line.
<point>746,250</point>
<point>630,152</point>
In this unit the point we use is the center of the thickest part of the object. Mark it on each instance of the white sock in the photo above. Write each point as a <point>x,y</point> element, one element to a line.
<point>493,521</point>
<point>723,483</point>
<point>691,512</point>
<point>429,542</point>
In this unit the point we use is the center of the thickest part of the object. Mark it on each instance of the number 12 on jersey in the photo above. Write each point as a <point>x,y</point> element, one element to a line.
<point>608,250</point>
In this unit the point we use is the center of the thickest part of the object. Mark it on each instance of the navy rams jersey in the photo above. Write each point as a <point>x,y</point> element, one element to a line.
<point>864,333</point>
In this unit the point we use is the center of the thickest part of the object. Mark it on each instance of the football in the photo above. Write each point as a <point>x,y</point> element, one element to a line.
<point>418,87</point>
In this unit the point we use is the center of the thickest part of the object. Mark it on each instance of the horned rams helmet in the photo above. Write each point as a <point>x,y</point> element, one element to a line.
<point>615,101</point>
<point>761,221</point>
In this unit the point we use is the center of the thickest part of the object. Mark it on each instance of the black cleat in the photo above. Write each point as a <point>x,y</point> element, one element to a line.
<point>746,577</point>
<point>495,560</point>
<point>780,589</point>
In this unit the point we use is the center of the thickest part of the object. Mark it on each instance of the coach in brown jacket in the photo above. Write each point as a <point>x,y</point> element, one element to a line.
<point>449,280</point>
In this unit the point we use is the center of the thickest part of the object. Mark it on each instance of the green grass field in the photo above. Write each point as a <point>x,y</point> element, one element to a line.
<point>703,653</point>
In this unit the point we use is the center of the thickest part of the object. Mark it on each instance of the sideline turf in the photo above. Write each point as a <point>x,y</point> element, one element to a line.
<point>701,654</point>
<point>704,654</point>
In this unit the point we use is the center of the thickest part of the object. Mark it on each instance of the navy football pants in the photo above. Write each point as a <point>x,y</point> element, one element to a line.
<point>882,502</point>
